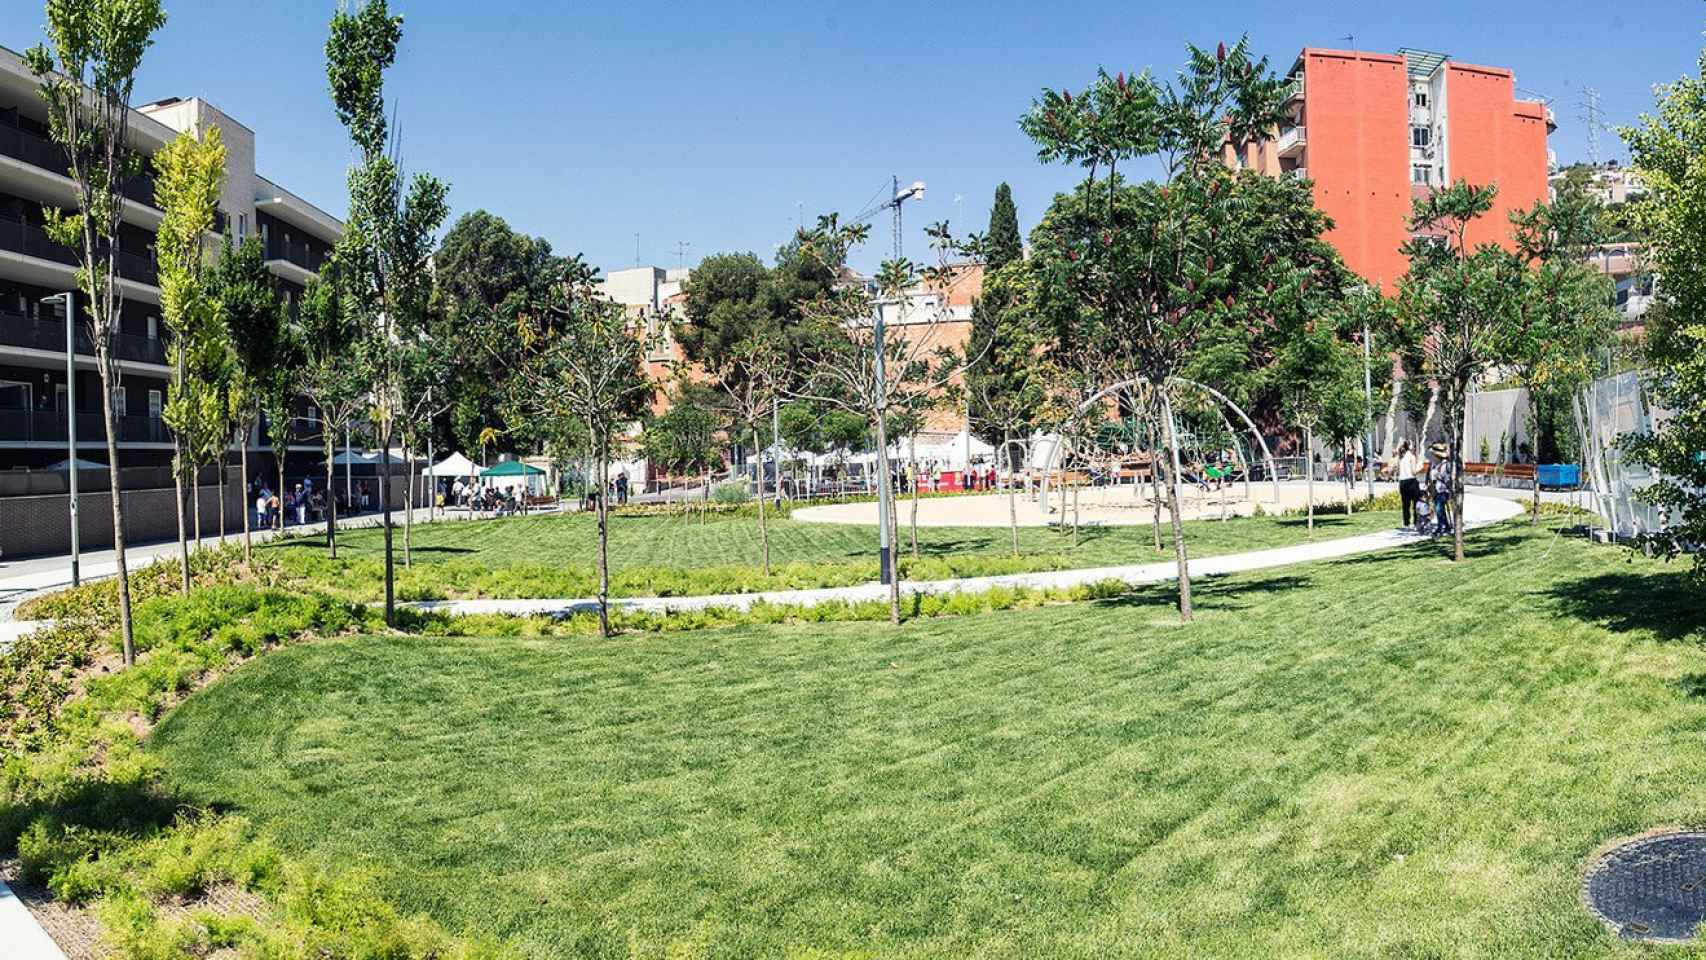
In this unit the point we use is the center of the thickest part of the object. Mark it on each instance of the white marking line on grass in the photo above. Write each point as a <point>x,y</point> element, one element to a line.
<point>1481,511</point>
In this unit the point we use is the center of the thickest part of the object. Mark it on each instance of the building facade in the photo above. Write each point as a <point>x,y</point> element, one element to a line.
<point>1374,131</point>
<point>33,175</point>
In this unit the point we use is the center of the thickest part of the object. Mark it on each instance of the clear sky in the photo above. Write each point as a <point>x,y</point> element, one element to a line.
<point>716,124</point>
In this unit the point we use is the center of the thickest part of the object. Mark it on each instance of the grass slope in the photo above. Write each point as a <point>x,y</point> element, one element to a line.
<point>545,556</point>
<point>1390,756</point>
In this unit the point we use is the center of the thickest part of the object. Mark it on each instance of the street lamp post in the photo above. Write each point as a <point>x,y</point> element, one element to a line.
<point>70,298</point>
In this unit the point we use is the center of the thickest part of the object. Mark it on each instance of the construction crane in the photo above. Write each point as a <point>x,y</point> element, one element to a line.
<point>896,198</point>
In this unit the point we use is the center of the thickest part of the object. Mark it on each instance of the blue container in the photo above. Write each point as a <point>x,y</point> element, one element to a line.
<point>1559,476</point>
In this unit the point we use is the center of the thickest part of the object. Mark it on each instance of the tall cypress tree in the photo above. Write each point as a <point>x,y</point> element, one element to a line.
<point>1001,347</point>
<point>1004,245</point>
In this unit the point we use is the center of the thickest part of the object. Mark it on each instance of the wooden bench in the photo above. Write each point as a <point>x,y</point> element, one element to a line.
<point>1516,474</point>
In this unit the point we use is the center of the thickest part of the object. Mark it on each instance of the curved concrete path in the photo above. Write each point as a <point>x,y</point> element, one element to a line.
<point>1481,510</point>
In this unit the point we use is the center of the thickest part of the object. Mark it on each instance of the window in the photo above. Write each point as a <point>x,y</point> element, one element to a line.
<point>1421,136</point>
<point>1421,98</point>
<point>154,404</point>
<point>119,408</point>
<point>1421,173</point>
<point>59,396</point>
<point>313,415</point>
<point>242,225</point>
<point>153,328</point>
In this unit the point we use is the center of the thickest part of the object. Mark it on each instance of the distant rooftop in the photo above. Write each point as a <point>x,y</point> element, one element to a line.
<point>1422,63</point>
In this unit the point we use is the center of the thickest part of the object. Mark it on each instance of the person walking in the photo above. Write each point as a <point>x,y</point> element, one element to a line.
<point>1440,480</point>
<point>1409,488</point>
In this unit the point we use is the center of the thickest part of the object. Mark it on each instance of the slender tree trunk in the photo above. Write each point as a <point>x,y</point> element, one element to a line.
<point>409,509</point>
<point>1012,492</point>
<point>912,453</point>
<point>1456,442</point>
<point>385,521</point>
<point>1155,491</point>
<point>248,542</point>
<point>603,538</point>
<point>195,499</point>
<point>1179,552</point>
<point>1350,486</point>
<point>178,500</point>
<point>331,499</point>
<point>1075,526</point>
<point>1309,469</point>
<point>885,492</point>
<point>763,528</point>
<point>125,630</point>
<point>278,520</point>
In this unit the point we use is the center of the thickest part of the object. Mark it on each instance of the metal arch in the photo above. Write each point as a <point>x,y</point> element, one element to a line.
<point>1100,395</point>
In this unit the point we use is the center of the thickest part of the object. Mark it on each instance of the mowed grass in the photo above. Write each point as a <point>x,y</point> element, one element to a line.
<point>1390,756</point>
<point>529,556</point>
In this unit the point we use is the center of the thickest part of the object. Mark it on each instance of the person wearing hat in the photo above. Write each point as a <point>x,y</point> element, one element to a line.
<point>1441,473</point>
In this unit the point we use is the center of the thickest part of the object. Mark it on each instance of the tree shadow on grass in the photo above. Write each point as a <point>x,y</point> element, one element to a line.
<point>1210,593</point>
<point>444,550</point>
<point>1660,603</point>
<point>1693,685</point>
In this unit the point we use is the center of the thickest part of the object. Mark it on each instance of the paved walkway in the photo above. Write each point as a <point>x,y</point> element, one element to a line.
<point>1481,510</point>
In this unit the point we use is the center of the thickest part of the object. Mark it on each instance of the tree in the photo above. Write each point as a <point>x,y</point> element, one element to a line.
<point>1469,302</point>
<point>582,360</point>
<point>189,173</point>
<point>1567,316</point>
<point>249,308</point>
<point>1145,272</point>
<point>684,437</point>
<point>333,374</point>
<point>749,374</point>
<point>481,263</point>
<point>1002,244</point>
<point>87,71</point>
<point>1669,147</point>
<point>847,364</point>
<point>386,248</point>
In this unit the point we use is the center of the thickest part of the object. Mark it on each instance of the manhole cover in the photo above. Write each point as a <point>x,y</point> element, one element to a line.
<point>1650,889</point>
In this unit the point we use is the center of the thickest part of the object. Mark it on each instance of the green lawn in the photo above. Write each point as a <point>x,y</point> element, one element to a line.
<point>1389,756</point>
<point>553,556</point>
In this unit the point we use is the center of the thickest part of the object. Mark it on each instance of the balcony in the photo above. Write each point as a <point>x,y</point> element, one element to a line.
<point>28,148</point>
<point>32,241</point>
<point>48,426</point>
<point>1297,173</point>
<point>17,330</point>
<point>1292,141</point>
<point>297,252</point>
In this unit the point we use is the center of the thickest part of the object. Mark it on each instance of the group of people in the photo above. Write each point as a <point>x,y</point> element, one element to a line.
<point>1425,486</point>
<point>302,503</point>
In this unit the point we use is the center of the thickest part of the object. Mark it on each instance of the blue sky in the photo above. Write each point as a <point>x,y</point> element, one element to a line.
<point>715,124</point>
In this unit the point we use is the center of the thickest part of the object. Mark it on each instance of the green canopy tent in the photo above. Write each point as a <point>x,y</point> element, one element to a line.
<point>516,475</point>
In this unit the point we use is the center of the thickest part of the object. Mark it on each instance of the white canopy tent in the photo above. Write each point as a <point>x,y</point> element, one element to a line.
<point>455,465</point>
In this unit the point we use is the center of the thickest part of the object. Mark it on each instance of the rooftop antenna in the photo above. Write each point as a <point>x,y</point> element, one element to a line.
<point>1350,41</point>
<point>636,249</point>
<point>681,252</point>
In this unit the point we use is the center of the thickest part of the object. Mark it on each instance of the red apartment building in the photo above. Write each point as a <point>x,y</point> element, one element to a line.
<point>1375,130</point>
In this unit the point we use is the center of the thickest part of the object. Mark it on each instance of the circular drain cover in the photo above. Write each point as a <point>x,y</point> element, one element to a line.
<point>1651,889</point>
